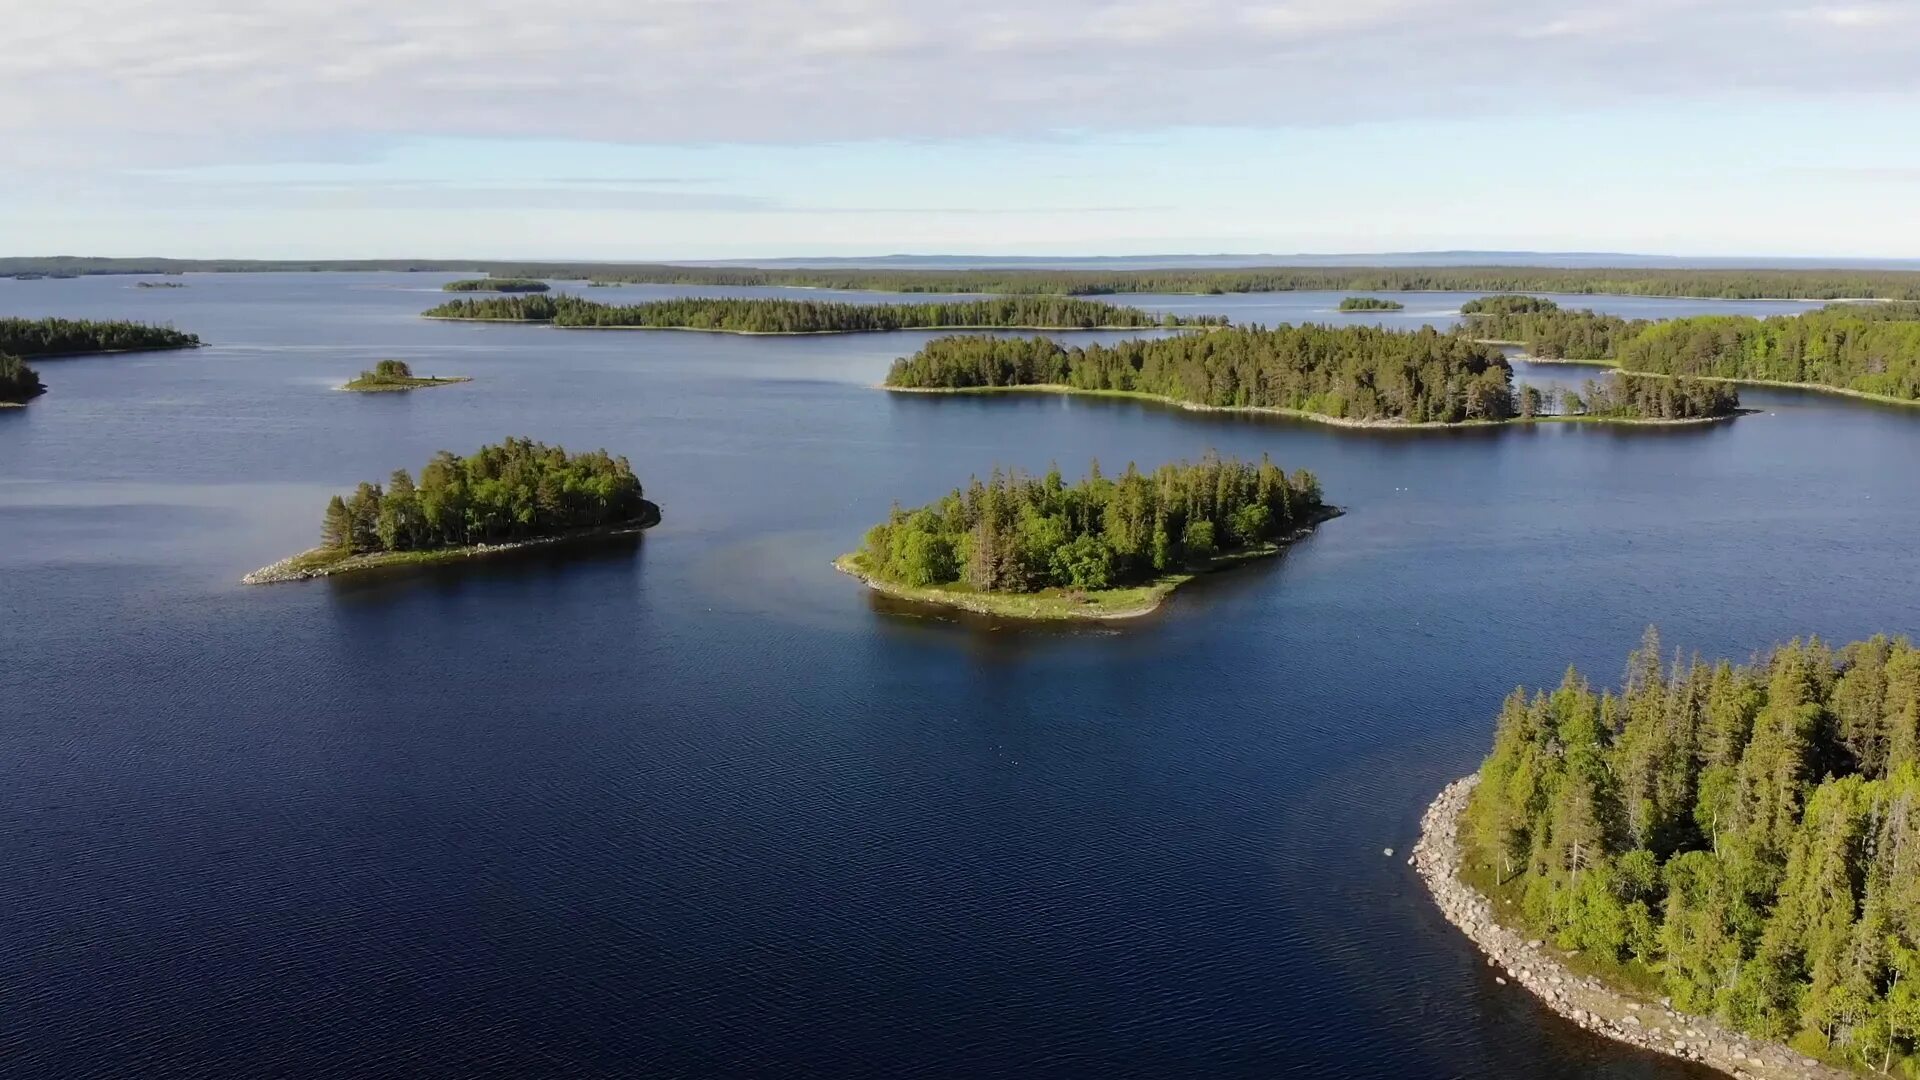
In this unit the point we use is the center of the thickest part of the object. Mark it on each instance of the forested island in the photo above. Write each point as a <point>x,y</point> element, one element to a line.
<point>513,494</point>
<point>19,383</point>
<point>1741,838</point>
<point>735,316</point>
<point>392,375</point>
<point>501,285</point>
<point>1370,303</point>
<point>78,337</point>
<point>1353,375</point>
<point>1871,350</point>
<point>1724,284</point>
<point>1041,548</point>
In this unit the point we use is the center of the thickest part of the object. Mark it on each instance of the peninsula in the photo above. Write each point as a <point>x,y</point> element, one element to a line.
<point>1738,840</point>
<point>395,375</point>
<point>516,494</point>
<point>494,284</point>
<point>1039,548</point>
<point>19,383</point>
<point>33,338</point>
<point>1354,376</point>
<point>1370,303</point>
<point>766,316</point>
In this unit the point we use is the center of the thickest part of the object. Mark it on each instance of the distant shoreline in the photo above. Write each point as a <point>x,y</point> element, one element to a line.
<point>1614,365</point>
<point>805,333</point>
<point>1320,418</point>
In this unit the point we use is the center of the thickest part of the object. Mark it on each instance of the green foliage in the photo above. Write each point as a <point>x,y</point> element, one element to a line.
<point>1645,397</point>
<point>1750,833</point>
<point>1370,303</point>
<point>1016,533</point>
<point>810,316</point>
<point>67,337</point>
<point>1546,329</point>
<point>516,490</point>
<point>1349,372</point>
<point>1842,346</point>
<point>1509,304</point>
<point>18,382</point>
<point>497,284</point>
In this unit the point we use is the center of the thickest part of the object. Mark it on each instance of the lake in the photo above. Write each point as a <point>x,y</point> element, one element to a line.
<point>695,804</point>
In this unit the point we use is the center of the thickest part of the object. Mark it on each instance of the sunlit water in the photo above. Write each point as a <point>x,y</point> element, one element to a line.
<point>696,804</point>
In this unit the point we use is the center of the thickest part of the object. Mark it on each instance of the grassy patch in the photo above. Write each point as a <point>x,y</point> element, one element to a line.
<point>374,386</point>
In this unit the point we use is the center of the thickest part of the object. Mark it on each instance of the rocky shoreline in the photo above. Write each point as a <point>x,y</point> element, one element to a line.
<point>1583,999</point>
<point>291,568</point>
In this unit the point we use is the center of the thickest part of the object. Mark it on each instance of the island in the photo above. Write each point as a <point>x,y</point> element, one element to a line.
<point>1039,548</point>
<point>1547,331</point>
<point>765,316</point>
<point>494,284</point>
<point>515,494</point>
<point>159,284</point>
<point>395,375</point>
<point>37,338</point>
<point>19,383</point>
<point>1370,303</point>
<point>1738,841</point>
<point>1353,376</point>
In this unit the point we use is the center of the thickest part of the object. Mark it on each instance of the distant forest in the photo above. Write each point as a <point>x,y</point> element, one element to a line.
<point>1360,373</point>
<point>811,316</point>
<point>493,284</point>
<point>516,490</point>
<point>72,337</point>
<point>1866,348</point>
<point>1729,284</point>
<point>18,382</point>
<point>1749,836</point>
<point>1016,533</point>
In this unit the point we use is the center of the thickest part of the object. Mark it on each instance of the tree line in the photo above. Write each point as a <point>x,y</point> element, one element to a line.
<point>516,490</point>
<point>1726,284</point>
<point>771,316</point>
<point>1347,372</point>
<point>1018,533</point>
<point>63,337</point>
<point>1835,346</point>
<point>1370,303</point>
<point>1748,833</point>
<point>494,284</point>
<point>1547,330</point>
<point>1622,396</point>
<point>19,383</point>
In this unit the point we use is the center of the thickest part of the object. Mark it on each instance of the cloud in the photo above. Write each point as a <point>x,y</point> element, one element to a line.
<point>94,82</point>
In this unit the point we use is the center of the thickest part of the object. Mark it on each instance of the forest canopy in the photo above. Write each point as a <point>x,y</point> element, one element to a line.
<point>1370,303</point>
<point>1017,533</point>
<point>1545,329</point>
<point>516,490</point>
<point>762,316</point>
<point>1360,373</point>
<point>1748,833</point>
<point>1838,346</point>
<point>74,337</point>
<point>19,383</point>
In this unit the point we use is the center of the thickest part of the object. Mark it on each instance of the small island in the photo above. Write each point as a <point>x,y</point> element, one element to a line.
<point>1351,376</point>
<point>516,494</point>
<point>1370,303</point>
<point>159,284</point>
<point>19,383</point>
<point>500,285</point>
<point>41,338</point>
<point>761,316</point>
<point>395,375</point>
<point>1039,548</point>
<point>1735,841</point>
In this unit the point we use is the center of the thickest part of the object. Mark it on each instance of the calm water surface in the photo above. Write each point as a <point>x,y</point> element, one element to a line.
<point>696,805</point>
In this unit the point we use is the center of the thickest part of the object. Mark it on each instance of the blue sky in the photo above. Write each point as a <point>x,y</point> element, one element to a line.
<point>651,129</point>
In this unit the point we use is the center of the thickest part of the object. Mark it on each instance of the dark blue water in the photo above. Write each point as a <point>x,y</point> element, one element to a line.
<point>697,805</point>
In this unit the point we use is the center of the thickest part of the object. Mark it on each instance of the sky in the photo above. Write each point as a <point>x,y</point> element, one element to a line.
<point>706,129</point>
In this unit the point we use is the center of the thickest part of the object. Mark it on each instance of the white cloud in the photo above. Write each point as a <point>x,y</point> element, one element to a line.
<point>85,82</point>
